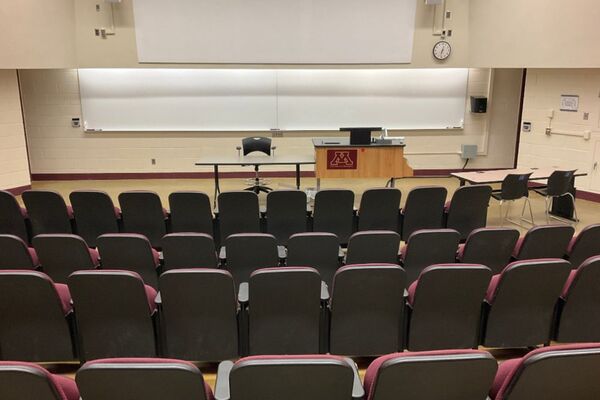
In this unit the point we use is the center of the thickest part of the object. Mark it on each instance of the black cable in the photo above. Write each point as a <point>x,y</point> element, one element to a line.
<point>466,162</point>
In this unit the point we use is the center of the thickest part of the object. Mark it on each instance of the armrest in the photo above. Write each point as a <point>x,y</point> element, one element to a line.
<point>158,299</point>
<point>222,383</point>
<point>358,392</point>
<point>222,253</point>
<point>324,292</point>
<point>281,252</point>
<point>405,293</point>
<point>243,293</point>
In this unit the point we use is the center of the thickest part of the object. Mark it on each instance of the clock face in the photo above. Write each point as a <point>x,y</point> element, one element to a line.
<point>442,50</point>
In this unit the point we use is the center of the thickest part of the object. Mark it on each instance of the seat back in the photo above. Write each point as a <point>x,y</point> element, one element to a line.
<point>379,209</point>
<point>14,254</point>
<point>141,378</point>
<point>238,213</point>
<point>199,314</point>
<point>319,250</point>
<point>446,305</point>
<point>260,144</point>
<point>546,241</point>
<point>515,186</point>
<point>492,247</point>
<point>247,252</point>
<point>357,291</point>
<point>428,247</point>
<point>191,212</point>
<point>373,247</point>
<point>95,214</point>
<point>284,311</point>
<point>61,254</point>
<point>334,212</point>
<point>579,320</point>
<point>585,245</point>
<point>560,182</point>
<point>424,209</point>
<point>34,325</point>
<point>448,374</point>
<point>129,251</point>
<point>188,250</point>
<point>21,380</point>
<point>468,209</point>
<point>315,377</point>
<point>114,314</point>
<point>143,213</point>
<point>522,302</point>
<point>286,213</point>
<point>12,220</point>
<point>47,212</point>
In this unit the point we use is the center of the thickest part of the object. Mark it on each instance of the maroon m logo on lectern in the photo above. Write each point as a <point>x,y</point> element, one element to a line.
<point>341,159</point>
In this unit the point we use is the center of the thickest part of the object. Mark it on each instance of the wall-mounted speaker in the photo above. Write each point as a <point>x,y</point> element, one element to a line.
<point>478,104</point>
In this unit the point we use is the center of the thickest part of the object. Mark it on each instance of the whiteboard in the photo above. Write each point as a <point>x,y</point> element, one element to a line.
<point>275,31</point>
<point>262,99</point>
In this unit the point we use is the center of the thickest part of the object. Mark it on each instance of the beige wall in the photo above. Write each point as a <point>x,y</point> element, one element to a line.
<point>542,96</point>
<point>14,168</point>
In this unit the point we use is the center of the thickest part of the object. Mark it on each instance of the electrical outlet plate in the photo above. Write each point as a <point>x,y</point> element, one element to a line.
<point>527,127</point>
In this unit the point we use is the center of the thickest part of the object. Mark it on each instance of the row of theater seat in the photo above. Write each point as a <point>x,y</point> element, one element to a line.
<point>92,213</point>
<point>371,311</point>
<point>554,373</point>
<point>62,254</point>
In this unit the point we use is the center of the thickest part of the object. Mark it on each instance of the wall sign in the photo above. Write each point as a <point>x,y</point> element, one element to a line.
<point>569,102</point>
<point>342,159</point>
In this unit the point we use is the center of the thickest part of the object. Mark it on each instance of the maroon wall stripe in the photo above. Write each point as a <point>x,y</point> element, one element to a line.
<point>18,190</point>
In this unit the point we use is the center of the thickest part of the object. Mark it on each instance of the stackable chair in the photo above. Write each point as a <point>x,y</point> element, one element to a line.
<point>367,296</point>
<point>584,245</point>
<point>333,212</point>
<point>426,247</point>
<point>284,311</point>
<point>521,301</point>
<point>48,212</point>
<point>442,374</point>
<point>492,247</point>
<point>15,254</point>
<point>514,187</point>
<point>468,209</point>
<point>559,185</point>
<point>247,252</point>
<point>61,254</point>
<point>36,318</point>
<point>199,315</point>
<point>373,247</point>
<point>551,373</point>
<point>238,213</point>
<point>319,250</point>
<point>579,307</point>
<point>95,214</point>
<point>379,209</point>
<point>13,217</point>
<point>424,209</point>
<point>115,313</point>
<point>315,377</point>
<point>142,378</point>
<point>286,214</point>
<point>132,252</point>
<point>190,212</point>
<point>445,306</point>
<point>262,145</point>
<point>188,250</point>
<point>143,213</point>
<point>21,380</point>
<point>545,241</point>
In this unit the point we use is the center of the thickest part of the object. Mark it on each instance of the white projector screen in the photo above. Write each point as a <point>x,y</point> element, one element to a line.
<point>275,31</point>
<point>263,99</point>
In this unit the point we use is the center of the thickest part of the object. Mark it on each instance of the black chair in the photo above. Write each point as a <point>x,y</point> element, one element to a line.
<point>428,247</point>
<point>95,214</point>
<point>559,185</point>
<point>238,213</point>
<point>15,254</point>
<point>468,209</point>
<point>247,252</point>
<point>492,247</point>
<point>61,254</point>
<point>373,247</point>
<point>115,313</point>
<point>199,314</point>
<point>334,212</point>
<point>286,214</point>
<point>191,212</point>
<point>544,241</point>
<point>367,296</point>
<point>424,209</point>
<point>13,217</point>
<point>24,381</point>
<point>144,214</point>
<point>445,306</point>
<point>36,318</point>
<point>188,250</point>
<point>584,245</point>
<point>379,209</point>
<point>261,145</point>
<point>318,250</point>
<point>48,212</point>
<point>514,187</point>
